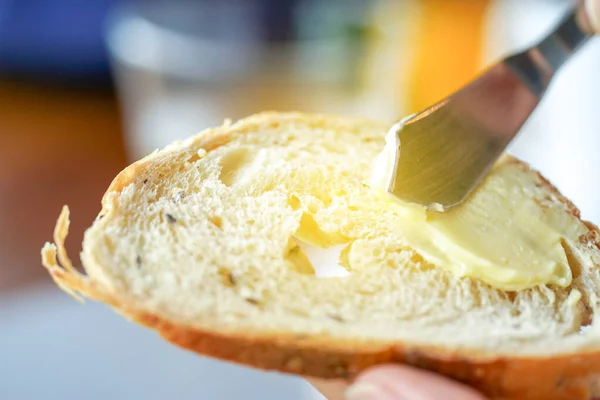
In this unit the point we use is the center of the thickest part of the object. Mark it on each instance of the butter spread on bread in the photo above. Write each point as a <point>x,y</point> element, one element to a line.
<point>502,233</point>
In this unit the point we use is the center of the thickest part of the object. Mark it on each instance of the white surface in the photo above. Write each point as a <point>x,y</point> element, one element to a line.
<point>562,137</point>
<point>53,348</point>
<point>324,261</point>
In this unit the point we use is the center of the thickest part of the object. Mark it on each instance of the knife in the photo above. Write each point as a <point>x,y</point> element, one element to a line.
<point>442,153</point>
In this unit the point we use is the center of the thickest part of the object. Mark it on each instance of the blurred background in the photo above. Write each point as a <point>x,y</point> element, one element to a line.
<point>87,87</point>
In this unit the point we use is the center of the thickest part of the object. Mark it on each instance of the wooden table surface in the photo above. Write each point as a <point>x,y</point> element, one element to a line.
<point>59,146</point>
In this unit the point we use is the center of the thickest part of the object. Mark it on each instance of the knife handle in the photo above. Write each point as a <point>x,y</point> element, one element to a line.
<point>537,65</point>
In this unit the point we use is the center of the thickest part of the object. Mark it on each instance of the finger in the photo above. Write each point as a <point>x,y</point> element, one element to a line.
<point>331,389</point>
<point>593,12</point>
<point>588,15</point>
<point>396,382</point>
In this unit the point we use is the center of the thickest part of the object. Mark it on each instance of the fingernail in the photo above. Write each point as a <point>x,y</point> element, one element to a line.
<point>367,391</point>
<point>594,11</point>
<point>590,16</point>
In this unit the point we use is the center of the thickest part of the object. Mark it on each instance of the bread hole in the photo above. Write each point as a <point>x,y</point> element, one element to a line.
<point>327,200</point>
<point>298,259</point>
<point>313,250</point>
<point>110,246</point>
<point>515,311</point>
<point>587,318</point>
<point>336,317</point>
<point>586,311</point>
<point>228,277</point>
<point>420,263</point>
<point>216,221</point>
<point>193,158</point>
<point>325,262</point>
<point>196,156</point>
<point>414,261</point>
<point>545,202</point>
<point>573,261</point>
<point>585,328</point>
<point>311,204</point>
<point>234,316</point>
<point>591,238</point>
<point>297,312</point>
<point>232,165</point>
<point>368,291</point>
<point>280,141</point>
<point>575,312</point>
<point>314,207</point>
<point>511,296</point>
<point>141,242</point>
<point>101,214</point>
<point>268,186</point>
<point>309,231</point>
<point>252,301</point>
<point>294,202</point>
<point>344,257</point>
<point>332,148</point>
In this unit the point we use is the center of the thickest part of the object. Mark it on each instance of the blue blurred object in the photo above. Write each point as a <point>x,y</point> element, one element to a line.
<point>65,38</point>
<point>62,38</point>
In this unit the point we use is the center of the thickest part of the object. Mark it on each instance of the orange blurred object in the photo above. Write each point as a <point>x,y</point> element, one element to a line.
<point>446,49</point>
<point>59,146</point>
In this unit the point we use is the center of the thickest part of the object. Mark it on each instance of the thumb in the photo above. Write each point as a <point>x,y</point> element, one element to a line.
<point>593,9</point>
<point>397,382</point>
<point>589,15</point>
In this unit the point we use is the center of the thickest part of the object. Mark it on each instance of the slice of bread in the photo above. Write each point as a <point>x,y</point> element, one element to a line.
<point>203,242</point>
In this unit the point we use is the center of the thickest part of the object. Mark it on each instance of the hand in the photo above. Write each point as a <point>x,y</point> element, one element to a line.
<point>396,382</point>
<point>590,16</point>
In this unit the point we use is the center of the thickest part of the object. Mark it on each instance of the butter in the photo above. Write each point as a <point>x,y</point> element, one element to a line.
<point>500,234</point>
<point>384,164</point>
<point>381,174</point>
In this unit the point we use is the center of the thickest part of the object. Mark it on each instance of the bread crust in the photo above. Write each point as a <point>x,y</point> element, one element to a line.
<point>563,377</point>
